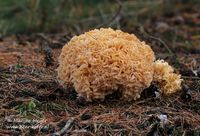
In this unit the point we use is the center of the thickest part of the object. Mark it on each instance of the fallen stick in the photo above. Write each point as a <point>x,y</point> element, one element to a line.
<point>65,128</point>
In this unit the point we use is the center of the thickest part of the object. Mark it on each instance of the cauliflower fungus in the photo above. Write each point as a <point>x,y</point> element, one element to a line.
<point>167,81</point>
<point>102,61</point>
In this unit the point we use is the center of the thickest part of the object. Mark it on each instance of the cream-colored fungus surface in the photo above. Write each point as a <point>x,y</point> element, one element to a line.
<point>102,61</point>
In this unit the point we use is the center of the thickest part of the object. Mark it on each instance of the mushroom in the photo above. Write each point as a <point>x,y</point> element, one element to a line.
<point>102,61</point>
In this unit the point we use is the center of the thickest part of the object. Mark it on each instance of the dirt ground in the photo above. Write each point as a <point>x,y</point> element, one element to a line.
<point>33,103</point>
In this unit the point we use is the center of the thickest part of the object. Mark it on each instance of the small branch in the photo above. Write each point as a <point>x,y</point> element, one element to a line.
<point>158,39</point>
<point>49,42</point>
<point>115,16</point>
<point>65,128</point>
<point>43,37</point>
<point>192,77</point>
<point>48,56</point>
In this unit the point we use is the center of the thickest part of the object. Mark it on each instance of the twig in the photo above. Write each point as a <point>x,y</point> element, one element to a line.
<point>80,131</point>
<point>49,42</point>
<point>48,56</point>
<point>115,16</point>
<point>2,77</point>
<point>190,77</point>
<point>4,132</point>
<point>43,37</point>
<point>47,50</point>
<point>158,39</point>
<point>65,128</point>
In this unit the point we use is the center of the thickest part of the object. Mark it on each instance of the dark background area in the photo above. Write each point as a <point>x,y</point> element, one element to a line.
<point>28,16</point>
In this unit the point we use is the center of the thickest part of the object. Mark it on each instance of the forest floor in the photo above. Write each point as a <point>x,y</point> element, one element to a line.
<point>33,103</point>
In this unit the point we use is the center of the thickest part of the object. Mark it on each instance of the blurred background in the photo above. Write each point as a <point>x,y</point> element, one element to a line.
<point>30,16</point>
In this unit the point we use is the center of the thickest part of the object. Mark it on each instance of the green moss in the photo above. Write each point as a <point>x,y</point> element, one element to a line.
<point>30,108</point>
